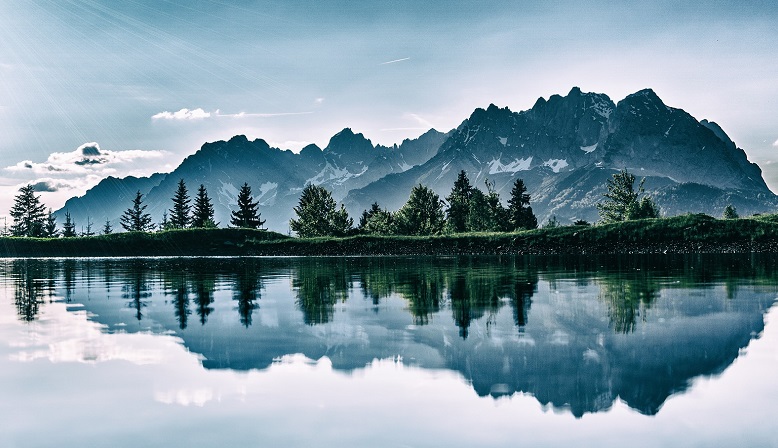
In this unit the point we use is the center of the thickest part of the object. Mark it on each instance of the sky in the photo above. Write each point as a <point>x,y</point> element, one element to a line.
<point>138,85</point>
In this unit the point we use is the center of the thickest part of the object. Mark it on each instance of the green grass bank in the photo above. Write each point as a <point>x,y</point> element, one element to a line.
<point>681,234</point>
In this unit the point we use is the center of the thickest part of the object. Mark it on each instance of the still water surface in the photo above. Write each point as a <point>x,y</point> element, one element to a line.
<point>485,351</point>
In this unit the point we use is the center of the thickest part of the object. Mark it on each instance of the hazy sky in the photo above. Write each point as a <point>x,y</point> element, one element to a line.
<point>162,77</point>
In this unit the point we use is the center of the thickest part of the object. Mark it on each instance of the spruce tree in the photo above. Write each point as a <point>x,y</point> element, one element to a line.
<point>459,204</point>
<point>69,227</point>
<point>107,228</point>
<point>50,229</point>
<point>203,213</point>
<point>422,214</point>
<point>247,215</point>
<point>730,212</point>
<point>341,223</point>
<point>520,214</point>
<point>29,215</point>
<point>134,218</point>
<point>375,221</point>
<point>88,231</point>
<point>179,214</point>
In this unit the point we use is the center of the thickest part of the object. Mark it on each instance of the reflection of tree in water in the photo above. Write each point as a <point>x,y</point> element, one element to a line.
<point>69,278</point>
<point>525,285</point>
<point>246,291</point>
<point>319,285</point>
<point>176,285</point>
<point>628,298</point>
<point>423,290</point>
<point>204,284</point>
<point>135,287</point>
<point>29,288</point>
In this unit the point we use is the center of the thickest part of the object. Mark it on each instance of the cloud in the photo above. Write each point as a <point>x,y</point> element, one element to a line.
<point>87,158</point>
<point>318,101</point>
<point>260,115</point>
<point>183,114</point>
<point>49,185</point>
<point>394,61</point>
<point>775,143</point>
<point>89,149</point>
<point>419,119</point>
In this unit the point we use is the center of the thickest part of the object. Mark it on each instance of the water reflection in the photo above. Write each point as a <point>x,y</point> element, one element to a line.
<point>574,332</point>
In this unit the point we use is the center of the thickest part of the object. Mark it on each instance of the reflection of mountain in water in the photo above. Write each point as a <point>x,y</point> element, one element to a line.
<point>575,333</point>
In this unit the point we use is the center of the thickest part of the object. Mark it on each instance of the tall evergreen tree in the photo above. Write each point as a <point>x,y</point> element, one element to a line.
<point>50,229</point>
<point>730,212</point>
<point>135,219</point>
<point>88,231</point>
<point>203,213</point>
<point>375,221</point>
<point>179,214</point>
<point>459,204</point>
<point>317,214</point>
<point>422,214</point>
<point>107,228</point>
<point>486,212</point>
<point>520,214</point>
<point>69,227</point>
<point>28,213</point>
<point>246,215</point>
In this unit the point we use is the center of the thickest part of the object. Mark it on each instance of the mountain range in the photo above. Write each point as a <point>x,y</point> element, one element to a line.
<point>565,148</point>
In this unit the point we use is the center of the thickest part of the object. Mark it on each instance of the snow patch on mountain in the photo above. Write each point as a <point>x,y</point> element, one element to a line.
<point>334,175</point>
<point>503,140</point>
<point>556,165</point>
<point>496,166</point>
<point>228,194</point>
<point>588,149</point>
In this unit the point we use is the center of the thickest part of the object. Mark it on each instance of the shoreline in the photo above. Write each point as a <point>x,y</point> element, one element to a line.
<point>688,234</point>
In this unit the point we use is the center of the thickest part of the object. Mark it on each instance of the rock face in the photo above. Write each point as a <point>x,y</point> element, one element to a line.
<point>564,148</point>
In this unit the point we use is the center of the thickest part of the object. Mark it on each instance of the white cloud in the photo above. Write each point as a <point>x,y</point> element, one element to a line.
<point>259,115</point>
<point>419,119</point>
<point>775,143</point>
<point>183,114</point>
<point>318,101</point>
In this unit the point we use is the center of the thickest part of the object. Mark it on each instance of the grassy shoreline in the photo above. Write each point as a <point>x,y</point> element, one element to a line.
<point>681,234</point>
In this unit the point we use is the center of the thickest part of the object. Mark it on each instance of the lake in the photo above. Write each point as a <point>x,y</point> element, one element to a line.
<point>392,351</point>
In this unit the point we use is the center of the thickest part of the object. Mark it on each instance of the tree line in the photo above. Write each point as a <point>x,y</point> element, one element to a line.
<point>466,209</point>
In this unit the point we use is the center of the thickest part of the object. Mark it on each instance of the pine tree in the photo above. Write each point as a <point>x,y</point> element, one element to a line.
<point>459,204</point>
<point>486,212</point>
<point>88,231</point>
<point>134,218</point>
<point>165,223</point>
<point>203,213</point>
<point>107,228</point>
<point>50,229</point>
<point>520,214</point>
<point>179,214</point>
<point>422,214</point>
<point>69,227</point>
<point>247,215</point>
<point>29,215</point>
<point>317,214</point>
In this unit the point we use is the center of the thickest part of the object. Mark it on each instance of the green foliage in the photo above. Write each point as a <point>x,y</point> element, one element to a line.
<point>486,212</point>
<point>179,214</point>
<point>520,215</point>
<point>376,221</point>
<point>317,215</point>
<point>459,202</point>
<point>28,213</point>
<point>50,228</point>
<point>246,216</point>
<point>69,227</point>
<point>135,219</point>
<point>581,222</point>
<point>107,227</point>
<point>422,214</point>
<point>203,213</point>
<point>730,212</point>
<point>621,200</point>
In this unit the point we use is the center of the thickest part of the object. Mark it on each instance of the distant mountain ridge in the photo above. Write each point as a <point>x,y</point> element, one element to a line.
<point>565,148</point>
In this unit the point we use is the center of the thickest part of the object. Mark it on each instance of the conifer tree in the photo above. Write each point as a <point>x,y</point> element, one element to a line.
<point>375,221</point>
<point>520,214</point>
<point>50,229</point>
<point>459,204</point>
<point>165,223</point>
<point>341,224</point>
<point>246,215</point>
<point>134,218</point>
<point>179,214</point>
<point>88,231</point>
<point>203,213</point>
<point>69,227</point>
<point>422,214</point>
<point>107,227</point>
<point>29,215</point>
